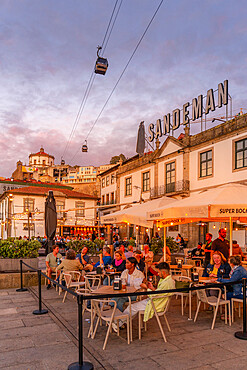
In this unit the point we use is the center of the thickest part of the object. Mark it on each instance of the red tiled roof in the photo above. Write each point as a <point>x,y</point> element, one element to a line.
<point>44,191</point>
<point>41,152</point>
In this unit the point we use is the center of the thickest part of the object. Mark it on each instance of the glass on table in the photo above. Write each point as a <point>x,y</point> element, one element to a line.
<point>124,284</point>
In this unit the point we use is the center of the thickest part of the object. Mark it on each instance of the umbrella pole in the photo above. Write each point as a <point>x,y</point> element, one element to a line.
<point>230,236</point>
<point>164,243</point>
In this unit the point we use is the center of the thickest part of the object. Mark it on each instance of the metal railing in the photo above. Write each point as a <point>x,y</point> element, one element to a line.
<point>177,187</point>
<point>81,298</point>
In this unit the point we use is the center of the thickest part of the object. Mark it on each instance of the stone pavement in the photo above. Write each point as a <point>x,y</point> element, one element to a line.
<point>26,344</point>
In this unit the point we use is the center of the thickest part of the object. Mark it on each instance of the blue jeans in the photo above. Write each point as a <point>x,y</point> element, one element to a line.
<point>121,301</point>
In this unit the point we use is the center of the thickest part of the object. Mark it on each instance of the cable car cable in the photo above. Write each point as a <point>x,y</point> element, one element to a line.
<point>109,35</point>
<point>121,75</point>
<point>90,82</point>
<point>109,22</point>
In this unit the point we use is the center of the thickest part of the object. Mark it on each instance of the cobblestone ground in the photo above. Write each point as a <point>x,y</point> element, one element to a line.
<point>42,342</point>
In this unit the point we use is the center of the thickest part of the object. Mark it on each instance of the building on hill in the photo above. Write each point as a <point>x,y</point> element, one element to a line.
<point>41,159</point>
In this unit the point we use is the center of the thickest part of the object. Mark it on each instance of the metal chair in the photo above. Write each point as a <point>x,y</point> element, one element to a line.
<point>156,314</point>
<point>213,301</point>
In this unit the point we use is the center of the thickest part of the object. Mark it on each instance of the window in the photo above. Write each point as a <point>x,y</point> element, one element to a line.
<point>60,205</point>
<point>206,164</point>
<point>103,199</point>
<point>112,198</point>
<point>128,186</point>
<point>170,177</point>
<point>145,181</point>
<point>107,180</point>
<point>241,153</point>
<point>34,161</point>
<point>43,161</point>
<point>103,182</point>
<point>81,211</point>
<point>107,199</point>
<point>112,179</point>
<point>28,204</point>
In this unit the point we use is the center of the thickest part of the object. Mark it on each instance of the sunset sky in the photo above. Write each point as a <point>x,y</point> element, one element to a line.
<point>48,51</point>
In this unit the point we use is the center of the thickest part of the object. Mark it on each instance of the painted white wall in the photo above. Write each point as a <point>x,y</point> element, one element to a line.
<point>38,219</point>
<point>136,175</point>
<point>222,165</point>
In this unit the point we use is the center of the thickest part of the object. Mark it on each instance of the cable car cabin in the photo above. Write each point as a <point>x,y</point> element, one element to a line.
<point>101,66</point>
<point>84,148</point>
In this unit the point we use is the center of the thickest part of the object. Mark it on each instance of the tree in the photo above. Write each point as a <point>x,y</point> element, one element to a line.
<point>116,158</point>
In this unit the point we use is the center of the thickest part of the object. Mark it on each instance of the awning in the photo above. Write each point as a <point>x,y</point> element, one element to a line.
<point>136,214</point>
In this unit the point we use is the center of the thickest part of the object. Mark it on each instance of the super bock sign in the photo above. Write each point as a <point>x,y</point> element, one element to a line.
<point>173,121</point>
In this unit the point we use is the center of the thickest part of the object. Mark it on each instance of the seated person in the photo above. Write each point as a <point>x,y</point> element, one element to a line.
<point>118,264</point>
<point>105,259</point>
<point>70,263</point>
<point>130,277</point>
<point>148,255</point>
<point>83,257</point>
<point>165,283</point>
<point>130,252</point>
<point>198,251</point>
<point>236,250</point>
<point>140,262</point>
<point>238,272</point>
<point>218,266</point>
<point>168,255</point>
<point>51,262</point>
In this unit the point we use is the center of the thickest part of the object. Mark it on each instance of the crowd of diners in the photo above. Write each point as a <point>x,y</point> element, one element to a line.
<point>137,268</point>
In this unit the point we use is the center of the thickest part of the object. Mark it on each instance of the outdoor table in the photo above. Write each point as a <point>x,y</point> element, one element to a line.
<point>108,289</point>
<point>184,267</point>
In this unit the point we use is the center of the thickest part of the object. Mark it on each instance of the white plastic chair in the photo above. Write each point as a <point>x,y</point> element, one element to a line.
<point>183,294</point>
<point>156,314</point>
<point>213,301</point>
<point>109,316</point>
<point>72,280</point>
<point>239,301</point>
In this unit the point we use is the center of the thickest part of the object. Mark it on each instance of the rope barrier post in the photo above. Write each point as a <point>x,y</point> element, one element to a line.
<point>21,289</point>
<point>40,311</point>
<point>243,334</point>
<point>81,365</point>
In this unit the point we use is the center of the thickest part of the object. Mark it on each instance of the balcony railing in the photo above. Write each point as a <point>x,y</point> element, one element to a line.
<point>177,187</point>
<point>106,203</point>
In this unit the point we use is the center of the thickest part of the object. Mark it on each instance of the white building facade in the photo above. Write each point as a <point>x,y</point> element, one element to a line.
<point>22,212</point>
<point>182,166</point>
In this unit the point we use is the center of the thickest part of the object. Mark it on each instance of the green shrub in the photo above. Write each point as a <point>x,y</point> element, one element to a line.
<point>15,248</point>
<point>93,247</point>
<point>132,242</point>
<point>157,244</point>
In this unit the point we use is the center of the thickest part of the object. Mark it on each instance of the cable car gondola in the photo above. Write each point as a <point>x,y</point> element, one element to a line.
<point>101,64</point>
<point>84,147</point>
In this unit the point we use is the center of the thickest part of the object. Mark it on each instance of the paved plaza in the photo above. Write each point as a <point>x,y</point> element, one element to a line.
<point>49,341</point>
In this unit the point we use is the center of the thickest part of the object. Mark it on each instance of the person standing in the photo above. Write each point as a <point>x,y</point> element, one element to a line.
<point>221,244</point>
<point>208,249</point>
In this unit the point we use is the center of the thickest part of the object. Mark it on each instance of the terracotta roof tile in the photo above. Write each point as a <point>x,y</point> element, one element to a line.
<point>43,191</point>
